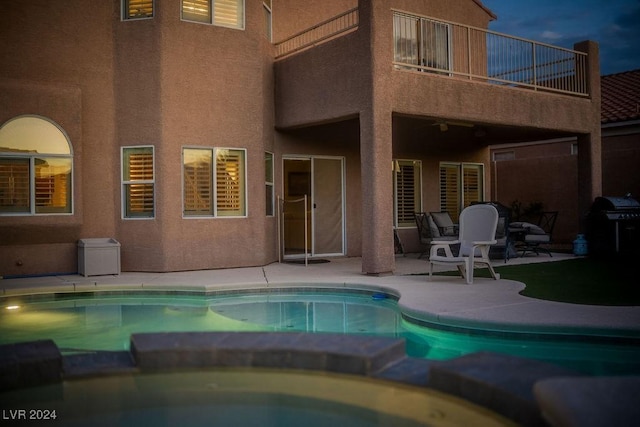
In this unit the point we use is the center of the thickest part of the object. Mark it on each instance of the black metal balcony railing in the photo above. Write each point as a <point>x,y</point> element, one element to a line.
<point>427,44</point>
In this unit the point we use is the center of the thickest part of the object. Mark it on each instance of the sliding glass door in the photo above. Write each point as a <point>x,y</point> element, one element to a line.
<point>317,226</point>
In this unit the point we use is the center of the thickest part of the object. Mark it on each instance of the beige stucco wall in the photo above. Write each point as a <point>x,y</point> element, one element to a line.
<point>213,92</point>
<point>293,16</point>
<point>63,72</point>
<point>621,162</point>
<point>538,179</point>
<point>460,11</point>
<point>547,173</point>
<point>160,82</point>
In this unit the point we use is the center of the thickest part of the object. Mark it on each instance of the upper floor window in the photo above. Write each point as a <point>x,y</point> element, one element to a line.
<point>138,182</point>
<point>407,178</point>
<point>267,17</point>
<point>137,9</point>
<point>226,13</point>
<point>421,43</point>
<point>36,166</point>
<point>214,182</point>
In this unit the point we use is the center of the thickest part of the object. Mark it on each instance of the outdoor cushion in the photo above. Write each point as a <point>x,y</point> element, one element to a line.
<point>433,228</point>
<point>531,228</point>
<point>537,238</point>
<point>444,223</point>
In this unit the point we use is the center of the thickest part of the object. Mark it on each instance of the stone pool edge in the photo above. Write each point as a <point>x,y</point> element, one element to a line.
<point>529,392</point>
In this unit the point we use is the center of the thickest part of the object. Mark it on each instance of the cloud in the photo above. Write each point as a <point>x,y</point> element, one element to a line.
<point>551,35</point>
<point>619,47</point>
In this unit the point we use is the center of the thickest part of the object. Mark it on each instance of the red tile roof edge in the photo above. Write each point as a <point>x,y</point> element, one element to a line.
<point>620,97</point>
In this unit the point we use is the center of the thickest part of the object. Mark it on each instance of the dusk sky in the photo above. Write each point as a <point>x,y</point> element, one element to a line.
<point>614,24</point>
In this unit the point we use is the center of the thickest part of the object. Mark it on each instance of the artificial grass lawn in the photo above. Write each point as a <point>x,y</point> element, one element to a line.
<point>580,281</point>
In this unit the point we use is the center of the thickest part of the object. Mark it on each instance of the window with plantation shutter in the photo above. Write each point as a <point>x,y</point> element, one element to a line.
<point>230,182</point>
<point>196,10</point>
<point>52,184</point>
<point>450,190</point>
<point>35,168</point>
<point>214,188</point>
<point>138,182</point>
<point>198,186</point>
<point>137,9</point>
<point>14,185</point>
<point>472,188</point>
<point>460,185</point>
<point>407,178</point>
<point>227,13</point>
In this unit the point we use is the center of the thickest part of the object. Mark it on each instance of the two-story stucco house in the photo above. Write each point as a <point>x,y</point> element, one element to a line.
<point>193,132</point>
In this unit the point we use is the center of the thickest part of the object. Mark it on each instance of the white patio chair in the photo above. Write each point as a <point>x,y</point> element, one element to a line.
<point>477,233</point>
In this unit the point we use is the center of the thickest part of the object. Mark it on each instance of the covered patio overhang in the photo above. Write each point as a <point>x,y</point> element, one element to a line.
<point>444,134</point>
<point>426,138</point>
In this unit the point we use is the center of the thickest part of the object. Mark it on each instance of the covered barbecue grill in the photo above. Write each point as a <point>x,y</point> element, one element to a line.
<point>614,226</point>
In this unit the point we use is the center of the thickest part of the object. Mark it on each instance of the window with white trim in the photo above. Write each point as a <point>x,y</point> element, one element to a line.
<point>36,166</point>
<point>460,185</point>
<point>407,191</point>
<point>138,182</point>
<point>137,9</point>
<point>226,13</point>
<point>268,182</point>
<point>214,182</point>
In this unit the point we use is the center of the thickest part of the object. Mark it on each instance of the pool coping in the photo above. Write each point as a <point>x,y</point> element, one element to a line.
<point>479,320</point>
<point>528,392</point>
<point>384,359</point>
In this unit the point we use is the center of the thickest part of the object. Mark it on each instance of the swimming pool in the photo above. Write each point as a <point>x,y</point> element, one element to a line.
<point>104,321</point>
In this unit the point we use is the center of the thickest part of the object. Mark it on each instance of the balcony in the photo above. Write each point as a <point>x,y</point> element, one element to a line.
<point>322,32</point>
<point>426,44</point>
<point>385,84</point>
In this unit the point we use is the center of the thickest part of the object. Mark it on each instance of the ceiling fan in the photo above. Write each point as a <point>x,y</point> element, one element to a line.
<point>444,124</point>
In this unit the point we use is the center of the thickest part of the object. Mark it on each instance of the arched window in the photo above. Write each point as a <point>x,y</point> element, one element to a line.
<point>36,165</point>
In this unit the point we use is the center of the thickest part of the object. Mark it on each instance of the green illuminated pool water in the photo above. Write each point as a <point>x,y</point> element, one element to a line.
<point>105,322</point>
